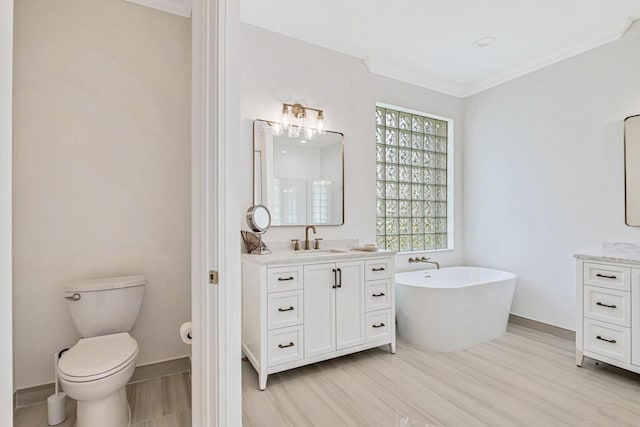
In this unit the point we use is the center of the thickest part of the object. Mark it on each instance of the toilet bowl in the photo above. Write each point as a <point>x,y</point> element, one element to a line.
<point>96,370</point>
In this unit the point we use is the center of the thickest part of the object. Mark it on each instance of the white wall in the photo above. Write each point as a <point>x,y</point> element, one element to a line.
<point>279,69</point>
<point>544,173</point>
<point>6,345</point>
<point>101,169</point>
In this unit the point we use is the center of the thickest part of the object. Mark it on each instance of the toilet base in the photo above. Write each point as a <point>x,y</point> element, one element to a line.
<point>110,411</point>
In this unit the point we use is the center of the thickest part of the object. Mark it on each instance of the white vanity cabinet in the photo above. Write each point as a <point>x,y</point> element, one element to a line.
<point>608,306</point>
<point>297,312</point>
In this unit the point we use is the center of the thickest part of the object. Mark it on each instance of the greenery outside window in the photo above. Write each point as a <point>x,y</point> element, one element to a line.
<point>412,180</point>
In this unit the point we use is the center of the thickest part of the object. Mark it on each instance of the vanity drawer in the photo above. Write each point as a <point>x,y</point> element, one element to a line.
<point>284,278</point>
<point>608,340</point>
<point>377,269</point>
<point>607,305</point>
<point>378,294</point>
<point>284,309</point>
<point>379,325</point>
<point>607,276</point>
<point>285,345</point>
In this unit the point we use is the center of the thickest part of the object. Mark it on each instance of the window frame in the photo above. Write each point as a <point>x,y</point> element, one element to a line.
<point>450,174</point>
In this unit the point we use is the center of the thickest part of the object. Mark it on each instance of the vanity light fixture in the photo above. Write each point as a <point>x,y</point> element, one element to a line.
<point>296,120</point>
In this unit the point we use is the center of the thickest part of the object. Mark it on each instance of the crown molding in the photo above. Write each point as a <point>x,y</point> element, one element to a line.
<point>428,81</point>
<point>601,39</point>
<point>397,72</point>
<point>176,7</point>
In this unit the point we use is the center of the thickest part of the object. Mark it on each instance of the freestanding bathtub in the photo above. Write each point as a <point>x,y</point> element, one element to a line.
<point>453,308</point>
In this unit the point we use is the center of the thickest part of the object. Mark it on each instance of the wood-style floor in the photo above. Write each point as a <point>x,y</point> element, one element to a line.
<point>525,378</point>
<point>159,402</point>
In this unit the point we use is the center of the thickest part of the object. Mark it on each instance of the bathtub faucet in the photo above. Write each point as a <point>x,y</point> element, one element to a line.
<point>425,260</point>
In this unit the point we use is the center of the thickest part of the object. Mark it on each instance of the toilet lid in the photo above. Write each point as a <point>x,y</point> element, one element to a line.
<point>98,357</point>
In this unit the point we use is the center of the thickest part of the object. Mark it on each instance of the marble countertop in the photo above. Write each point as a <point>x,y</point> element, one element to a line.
<point>616,259</point>
<point>302,257</point>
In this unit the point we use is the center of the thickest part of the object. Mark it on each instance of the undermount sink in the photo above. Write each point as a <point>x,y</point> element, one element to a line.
<point>312,252</point>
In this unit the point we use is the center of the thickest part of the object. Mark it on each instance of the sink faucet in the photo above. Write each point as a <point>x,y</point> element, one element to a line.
<point>307,246</point>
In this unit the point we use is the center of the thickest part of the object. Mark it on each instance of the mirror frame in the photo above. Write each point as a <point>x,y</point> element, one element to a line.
<point>253,181</point>
<point>627,161</point>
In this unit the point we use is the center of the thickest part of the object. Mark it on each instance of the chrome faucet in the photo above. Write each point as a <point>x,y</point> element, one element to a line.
<point>425,260</point>
<point>307,246</point>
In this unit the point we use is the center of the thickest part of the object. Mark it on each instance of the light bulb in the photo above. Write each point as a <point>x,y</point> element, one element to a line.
<point>320,123</point>
<point>309,132</point>
<point>294,131</point>
<point>286,114</point>
<point>276,129</point>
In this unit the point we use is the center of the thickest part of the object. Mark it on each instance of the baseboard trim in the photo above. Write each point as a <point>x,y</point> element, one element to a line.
<point>543,327</point>
<point>40,393</point>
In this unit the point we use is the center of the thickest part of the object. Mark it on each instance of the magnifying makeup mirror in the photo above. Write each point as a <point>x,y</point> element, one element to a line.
<point>259,220</point>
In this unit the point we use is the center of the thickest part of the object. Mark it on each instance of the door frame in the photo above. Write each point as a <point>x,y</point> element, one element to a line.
<point>215,308</point>
<point>6,282</point>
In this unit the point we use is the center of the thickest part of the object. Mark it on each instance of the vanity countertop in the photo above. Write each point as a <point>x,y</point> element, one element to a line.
<point>302,257</point>
<point>616,259</point>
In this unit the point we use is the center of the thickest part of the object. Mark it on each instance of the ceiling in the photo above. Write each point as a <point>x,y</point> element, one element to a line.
<point>430,43</point>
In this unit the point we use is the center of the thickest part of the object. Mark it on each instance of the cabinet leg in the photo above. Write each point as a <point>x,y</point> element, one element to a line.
<point>579,358</point>
<point>262,381</point>
<point>392,347</point>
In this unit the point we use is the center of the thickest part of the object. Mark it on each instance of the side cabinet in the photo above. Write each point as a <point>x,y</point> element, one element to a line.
<point>608,306</point>
<point>297,314</point>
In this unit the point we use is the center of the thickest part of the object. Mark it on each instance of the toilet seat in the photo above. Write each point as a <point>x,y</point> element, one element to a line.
<point>95,358</point>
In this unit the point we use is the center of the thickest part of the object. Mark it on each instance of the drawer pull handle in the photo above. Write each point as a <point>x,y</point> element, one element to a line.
<point>381,294</point>
<point>606,340</point>
<point>286,345</point>
<point>378,269</point>
<point>286,309</point>
<point>606,305</point>
<point>379,325</point>
<point>605,276</point>
<point>284,279</point>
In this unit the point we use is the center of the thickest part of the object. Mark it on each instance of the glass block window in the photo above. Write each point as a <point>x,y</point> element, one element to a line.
<point>411,181</point>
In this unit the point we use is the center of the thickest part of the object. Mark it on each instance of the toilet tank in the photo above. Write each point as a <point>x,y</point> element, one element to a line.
<point>105,306</point>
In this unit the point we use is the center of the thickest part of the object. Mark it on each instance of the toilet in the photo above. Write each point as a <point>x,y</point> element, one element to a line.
<point>96,370</point>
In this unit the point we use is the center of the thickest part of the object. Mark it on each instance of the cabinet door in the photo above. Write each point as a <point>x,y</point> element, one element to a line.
<point>319,309</point>
<point>350,305</point>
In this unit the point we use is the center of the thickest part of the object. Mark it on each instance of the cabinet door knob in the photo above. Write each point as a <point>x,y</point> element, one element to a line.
<point>286,309</point>
<point>284,279</point>
<point>381,294</point>
<point>379,325</point>
<point>605,276</point>
<point>378,269</point>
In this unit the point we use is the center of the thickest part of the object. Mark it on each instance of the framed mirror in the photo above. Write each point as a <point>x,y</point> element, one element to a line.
<point>632,170</point>
<point>300,181</point>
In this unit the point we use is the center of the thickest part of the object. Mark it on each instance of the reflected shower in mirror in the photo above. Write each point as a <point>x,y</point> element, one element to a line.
<point>632,169</point>
<point>300,180</point>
